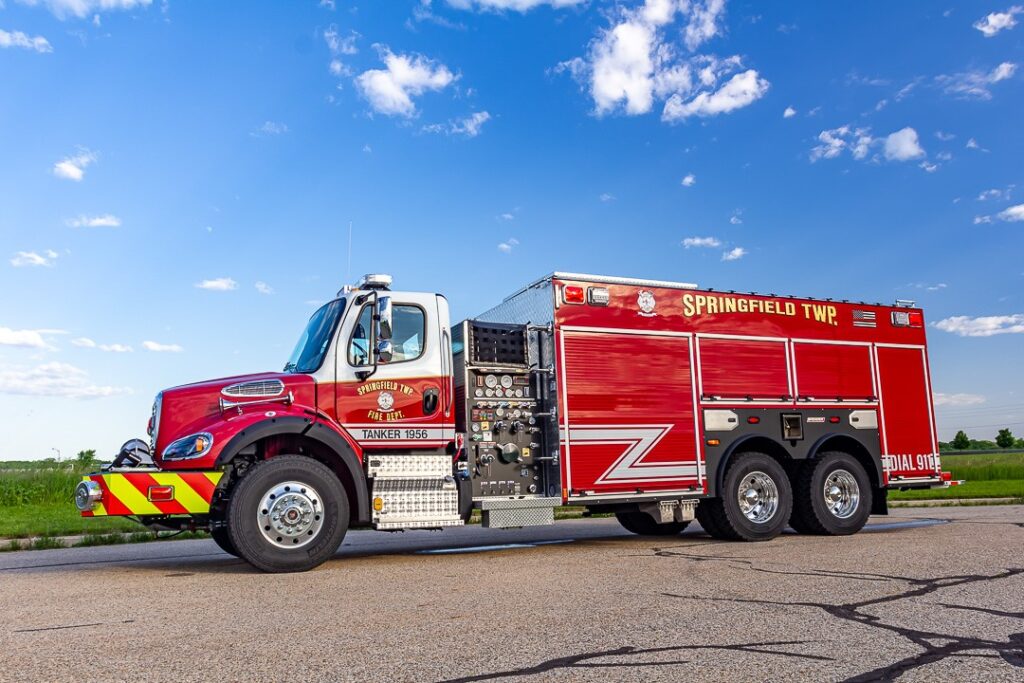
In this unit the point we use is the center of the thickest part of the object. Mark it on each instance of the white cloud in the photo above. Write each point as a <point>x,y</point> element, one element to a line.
<point>789,113</point>
<point>734,254</point>
<point>973,144</point>
<point>79,9</point>
<point>995,193</point>
<point>941,399</point>
<point>220,284</point>
<point>508,245</point>
<point>271,128</point>
<point>506,216</point>
<point>367,149</point>
<point>945,137</point>
<point>698,242</point>
<point>73,167</point>
<point>975,84</point>
<point>328,4</point>
<point>86,343</point>
<point>738,92</point>
<point>635,62</point>
<point>341,45</point>
<point>32,258</point>
<point>903,145</point>
<point>161,348</point>
<point>735,218</point>
<point>22,40</point>
<point>983,326</point>
<point>54,379</point>
<point>514,5</point>
<point>105,221</point>
<point>979,220</point>
<point>606,197</point>
<point>995,22</point>
<point>689,180</point>
<point>469,126</point>
<point>29,339</point>
<point>835,141</point>
<point>1013,214</point>
<point>929,167</point>
<point>264,288</point>
<point>390,91</point>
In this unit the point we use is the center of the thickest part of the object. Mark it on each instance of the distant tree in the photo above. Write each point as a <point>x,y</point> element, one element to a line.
<point>85,459</point>
<point>1004,439</point>
<point>982,445</point>
<point>960,441</point>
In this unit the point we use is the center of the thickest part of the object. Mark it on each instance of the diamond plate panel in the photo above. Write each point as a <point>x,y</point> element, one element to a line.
<point>518,517</point>
<point>534,305</point>
<point>408,466</point>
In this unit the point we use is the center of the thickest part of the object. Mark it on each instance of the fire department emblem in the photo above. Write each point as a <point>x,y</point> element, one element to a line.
<point>645,300</point>
<point>386,401</point>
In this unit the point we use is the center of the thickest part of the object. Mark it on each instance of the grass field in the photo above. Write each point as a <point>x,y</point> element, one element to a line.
<point>35,501</point>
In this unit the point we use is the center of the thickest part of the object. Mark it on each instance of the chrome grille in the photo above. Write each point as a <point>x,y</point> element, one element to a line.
<point>257,389</point>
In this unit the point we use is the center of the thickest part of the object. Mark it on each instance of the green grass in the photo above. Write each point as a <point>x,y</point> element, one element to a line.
<point>995,488</point>
<point>62,519</point>
<point>988,467</point>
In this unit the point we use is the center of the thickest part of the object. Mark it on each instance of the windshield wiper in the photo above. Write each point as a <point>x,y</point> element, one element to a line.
<point>288,367</point>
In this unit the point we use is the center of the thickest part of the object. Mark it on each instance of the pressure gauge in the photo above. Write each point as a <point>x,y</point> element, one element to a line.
<point>519,393</point>
<point>479,393</point>
<point>489,393</point>
<point>517,413</point>
<point>500,412</point>
<point>491,381</point>
<point>476,427</point>
<point>506,381</point>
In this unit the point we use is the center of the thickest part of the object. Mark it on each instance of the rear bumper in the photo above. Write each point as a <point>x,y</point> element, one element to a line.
<point>146,492</point>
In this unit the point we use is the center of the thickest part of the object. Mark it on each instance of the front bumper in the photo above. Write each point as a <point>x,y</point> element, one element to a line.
<point>146,492</point>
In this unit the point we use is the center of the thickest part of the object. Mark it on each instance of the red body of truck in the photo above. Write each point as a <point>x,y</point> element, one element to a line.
<point>657,401</point>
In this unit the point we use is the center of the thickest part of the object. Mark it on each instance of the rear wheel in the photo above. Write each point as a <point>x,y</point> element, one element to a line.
<point>288,514</point>
<point>833,496</point>
<point>756,499</point>
<point>643,524</point>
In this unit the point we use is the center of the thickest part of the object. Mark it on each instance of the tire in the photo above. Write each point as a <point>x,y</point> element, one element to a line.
<point>221,537</point>
<point>288,514</point>
<point>755,504</point>
<point>643,524</point>
<point>833,496</point>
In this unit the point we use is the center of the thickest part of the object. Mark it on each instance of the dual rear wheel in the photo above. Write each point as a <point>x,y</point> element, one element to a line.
<point>829,495</point>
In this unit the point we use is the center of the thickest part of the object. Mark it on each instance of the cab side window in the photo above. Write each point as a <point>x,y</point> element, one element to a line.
<point>407,338</point>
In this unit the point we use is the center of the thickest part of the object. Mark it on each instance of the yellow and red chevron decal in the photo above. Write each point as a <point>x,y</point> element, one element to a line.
<point>154,493</point>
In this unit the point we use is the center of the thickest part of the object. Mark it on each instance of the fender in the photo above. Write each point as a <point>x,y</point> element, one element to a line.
<point>874,456</point>
<point>718,465</point>
<point>338,441</point>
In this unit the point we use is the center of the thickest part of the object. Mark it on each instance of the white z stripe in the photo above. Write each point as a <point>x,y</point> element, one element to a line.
<point>639,441</point>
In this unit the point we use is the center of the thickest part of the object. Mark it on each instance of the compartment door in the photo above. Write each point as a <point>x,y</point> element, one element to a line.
<point>628,404</point>
<point>909,448</point>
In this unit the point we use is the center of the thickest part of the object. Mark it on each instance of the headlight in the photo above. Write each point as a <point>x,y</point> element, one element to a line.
<point>154,422</point>
<point>88,495</point>
<point>192,446</point>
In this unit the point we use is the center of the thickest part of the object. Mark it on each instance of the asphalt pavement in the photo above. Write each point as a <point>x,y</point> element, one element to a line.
<point>920,595</point>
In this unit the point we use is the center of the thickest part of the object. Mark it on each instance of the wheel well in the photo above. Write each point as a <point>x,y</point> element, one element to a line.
<point>755,444</point>
<point>301,444</point>
<point>853,448</point>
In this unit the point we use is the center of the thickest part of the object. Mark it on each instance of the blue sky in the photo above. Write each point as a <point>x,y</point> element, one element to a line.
<point>177,178</point>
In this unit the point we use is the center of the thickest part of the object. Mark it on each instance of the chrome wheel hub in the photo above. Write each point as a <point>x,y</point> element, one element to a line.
<point>842,494</point>
<point>758,497</point>
<point>290,514</point>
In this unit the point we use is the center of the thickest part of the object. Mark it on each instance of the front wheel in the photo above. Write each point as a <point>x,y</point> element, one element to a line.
<point>643,524</point>
<point>288,514</point>
<point>833,496</point>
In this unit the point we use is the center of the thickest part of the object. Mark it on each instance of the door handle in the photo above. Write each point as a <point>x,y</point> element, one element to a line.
<point>430,400</point>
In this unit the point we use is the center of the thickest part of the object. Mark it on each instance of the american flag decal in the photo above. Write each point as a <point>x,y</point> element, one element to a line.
<point>864,318</point>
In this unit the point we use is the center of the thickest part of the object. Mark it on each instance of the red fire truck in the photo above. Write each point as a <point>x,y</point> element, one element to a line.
<point>658,401</point>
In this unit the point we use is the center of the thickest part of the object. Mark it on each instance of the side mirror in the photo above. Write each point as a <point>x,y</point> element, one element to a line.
<point>385,351</point>
<point>384,320</point>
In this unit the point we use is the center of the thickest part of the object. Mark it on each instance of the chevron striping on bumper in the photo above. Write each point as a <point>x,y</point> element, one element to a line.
<point>126,493</point>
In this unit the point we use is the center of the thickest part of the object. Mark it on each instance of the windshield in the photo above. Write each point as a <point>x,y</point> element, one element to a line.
<point>309,353</point>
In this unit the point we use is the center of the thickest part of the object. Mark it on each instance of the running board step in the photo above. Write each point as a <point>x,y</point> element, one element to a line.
<point>505,513</point>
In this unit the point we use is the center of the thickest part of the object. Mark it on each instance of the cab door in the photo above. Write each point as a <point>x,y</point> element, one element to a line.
<point>404,402</point>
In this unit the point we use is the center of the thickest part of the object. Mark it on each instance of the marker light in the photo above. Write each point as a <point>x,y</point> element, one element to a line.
<point>907,319</point>
<point>598,296</point>
<point>160,494</point>
<point>572,294</point>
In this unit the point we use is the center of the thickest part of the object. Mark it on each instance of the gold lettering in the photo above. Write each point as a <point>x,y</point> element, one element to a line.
<point>730,305</point>
<point>712,304</point>
<point>790,308</point>
<point>688,309</point>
